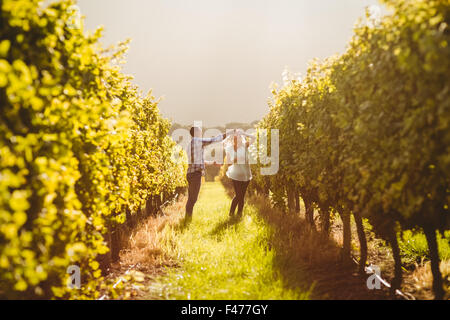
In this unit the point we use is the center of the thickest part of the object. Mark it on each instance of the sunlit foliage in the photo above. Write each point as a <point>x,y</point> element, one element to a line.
<point>79,145</point>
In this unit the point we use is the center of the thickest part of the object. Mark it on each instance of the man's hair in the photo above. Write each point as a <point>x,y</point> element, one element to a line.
<point>193,131</point>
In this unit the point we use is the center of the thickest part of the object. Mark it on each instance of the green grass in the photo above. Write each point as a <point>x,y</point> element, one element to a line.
<point>414,247</point>
<point>222,258</point>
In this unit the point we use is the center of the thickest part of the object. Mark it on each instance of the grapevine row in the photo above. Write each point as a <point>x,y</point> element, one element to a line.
<point>367,133</point>
<point>81,151</point>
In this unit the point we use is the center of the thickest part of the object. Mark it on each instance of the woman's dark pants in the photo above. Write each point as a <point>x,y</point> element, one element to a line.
<point>240,188</point>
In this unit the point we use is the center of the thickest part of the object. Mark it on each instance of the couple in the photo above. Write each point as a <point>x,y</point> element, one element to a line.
<point>236,148</point>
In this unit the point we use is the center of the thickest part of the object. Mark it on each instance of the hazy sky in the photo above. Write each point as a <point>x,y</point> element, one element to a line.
<point>214,60</point>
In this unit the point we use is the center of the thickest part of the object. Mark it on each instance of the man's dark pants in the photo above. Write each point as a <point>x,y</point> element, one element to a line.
<point>195,181</point>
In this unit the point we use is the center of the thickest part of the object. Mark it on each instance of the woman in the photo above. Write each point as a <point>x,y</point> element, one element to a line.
<point>236,148</point>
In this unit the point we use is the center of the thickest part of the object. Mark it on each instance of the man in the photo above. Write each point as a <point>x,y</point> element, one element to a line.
<point>196,167</point>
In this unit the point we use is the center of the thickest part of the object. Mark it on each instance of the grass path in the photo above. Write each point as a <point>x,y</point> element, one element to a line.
<point>266,255</point>
<point>221,258</point>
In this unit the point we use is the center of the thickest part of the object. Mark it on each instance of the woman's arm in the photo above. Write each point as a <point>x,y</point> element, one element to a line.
<point>219,138</point>
<point>251,137</point>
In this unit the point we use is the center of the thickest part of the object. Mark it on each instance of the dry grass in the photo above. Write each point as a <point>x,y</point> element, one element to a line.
<point>291,231</point>
<point>143,247</point>
<point>143,257</point>
<point>422,278</point>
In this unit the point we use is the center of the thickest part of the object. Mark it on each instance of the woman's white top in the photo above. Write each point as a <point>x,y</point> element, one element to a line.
<point>240,170</point>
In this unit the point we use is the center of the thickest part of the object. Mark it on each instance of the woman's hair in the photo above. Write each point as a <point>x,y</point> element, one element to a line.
<point>229,141</point>
<point>229,145</point>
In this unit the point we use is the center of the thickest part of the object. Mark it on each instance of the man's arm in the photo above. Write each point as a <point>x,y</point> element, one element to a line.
<point>208,141</point>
